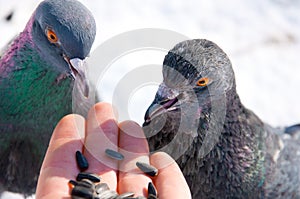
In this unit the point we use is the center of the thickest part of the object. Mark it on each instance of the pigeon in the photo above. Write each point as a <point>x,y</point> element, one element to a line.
<point>43,77</point>
<point>223,149</point>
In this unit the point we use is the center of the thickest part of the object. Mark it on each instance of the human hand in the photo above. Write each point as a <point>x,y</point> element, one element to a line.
<point>92,136</point>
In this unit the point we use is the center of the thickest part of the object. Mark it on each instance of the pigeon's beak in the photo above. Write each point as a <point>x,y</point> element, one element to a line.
<point>166,100</point>
<point>78,68</point>
<point>158,108</point>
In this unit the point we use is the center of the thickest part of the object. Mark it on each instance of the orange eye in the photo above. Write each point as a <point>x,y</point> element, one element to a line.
<point>202,81</point>
<point>51,36</point>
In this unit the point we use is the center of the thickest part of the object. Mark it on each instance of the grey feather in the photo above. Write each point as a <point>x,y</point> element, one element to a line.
<point>223,149</point>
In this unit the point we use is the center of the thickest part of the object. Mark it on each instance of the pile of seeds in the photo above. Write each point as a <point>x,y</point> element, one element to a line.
<point>89,186</point>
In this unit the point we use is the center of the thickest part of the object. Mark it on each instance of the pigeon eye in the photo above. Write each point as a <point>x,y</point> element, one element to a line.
<point>202,81</point>
<point>52,37</point>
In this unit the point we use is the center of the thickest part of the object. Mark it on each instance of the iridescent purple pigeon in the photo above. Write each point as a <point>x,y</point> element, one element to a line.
<point>38,72</point>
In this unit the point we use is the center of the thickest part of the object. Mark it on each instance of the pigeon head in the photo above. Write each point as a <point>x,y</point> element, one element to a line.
<point>64,31</point>
<point>196,73</point>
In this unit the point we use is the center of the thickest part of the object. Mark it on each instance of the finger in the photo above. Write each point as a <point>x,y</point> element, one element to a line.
<point>134,147</point>
<point>101,134</point>
<point>170,182</point>
<point>59,164</point>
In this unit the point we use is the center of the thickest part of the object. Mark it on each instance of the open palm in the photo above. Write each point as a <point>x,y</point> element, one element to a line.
<point>92,136</point>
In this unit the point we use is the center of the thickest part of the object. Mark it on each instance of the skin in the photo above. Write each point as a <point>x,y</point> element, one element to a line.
<point>59,165</point>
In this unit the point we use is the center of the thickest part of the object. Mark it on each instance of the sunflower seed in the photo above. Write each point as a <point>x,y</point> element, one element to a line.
<point>109,194</point>
<point>73,182</point>
<point>151,190</point>
<point>138,197</point>
<point>92,177</point>
<point>101,187</point>
<point>114,154</point>
<point>150,196</point>
<point>82,192</point>
<point>82,163</point>
<point>125,195</point>
<point>77,197</point>
<point>86,183</point>
<point>130,197</point>
<point>9,16</point>
<point>147,169</point>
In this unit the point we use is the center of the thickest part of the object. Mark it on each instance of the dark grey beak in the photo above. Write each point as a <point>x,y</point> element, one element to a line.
<point>166,100</point>
<point>158,107</point>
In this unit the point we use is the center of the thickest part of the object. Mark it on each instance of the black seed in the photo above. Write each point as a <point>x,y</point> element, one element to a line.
<point>114,154</point>
<point>150,196</point>
<point>101,187</point>
<point>130,198</point>
<point>125,195</point>
<point>9,16</point>
<point>109,194</point>
<point>151,189</point>
<point>92,177</point>
<point>82,192</point>
<point>73,182</point>
<point>77,197</point>
<point>147,169</point>
<point>86,183</point>
<point>82,163</point>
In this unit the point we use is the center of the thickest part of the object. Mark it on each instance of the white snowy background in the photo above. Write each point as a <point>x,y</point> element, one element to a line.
<point>262,39</point>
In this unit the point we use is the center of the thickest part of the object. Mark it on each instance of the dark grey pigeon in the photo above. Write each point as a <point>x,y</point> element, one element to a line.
<point>223,149</point>
<point>38,73</point>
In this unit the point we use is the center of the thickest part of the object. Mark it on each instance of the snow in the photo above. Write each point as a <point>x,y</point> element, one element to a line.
<point>262,39</point>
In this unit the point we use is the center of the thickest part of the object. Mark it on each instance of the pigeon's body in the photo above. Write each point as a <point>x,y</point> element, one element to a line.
<point>223,149</point>
<point>36,84</point>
